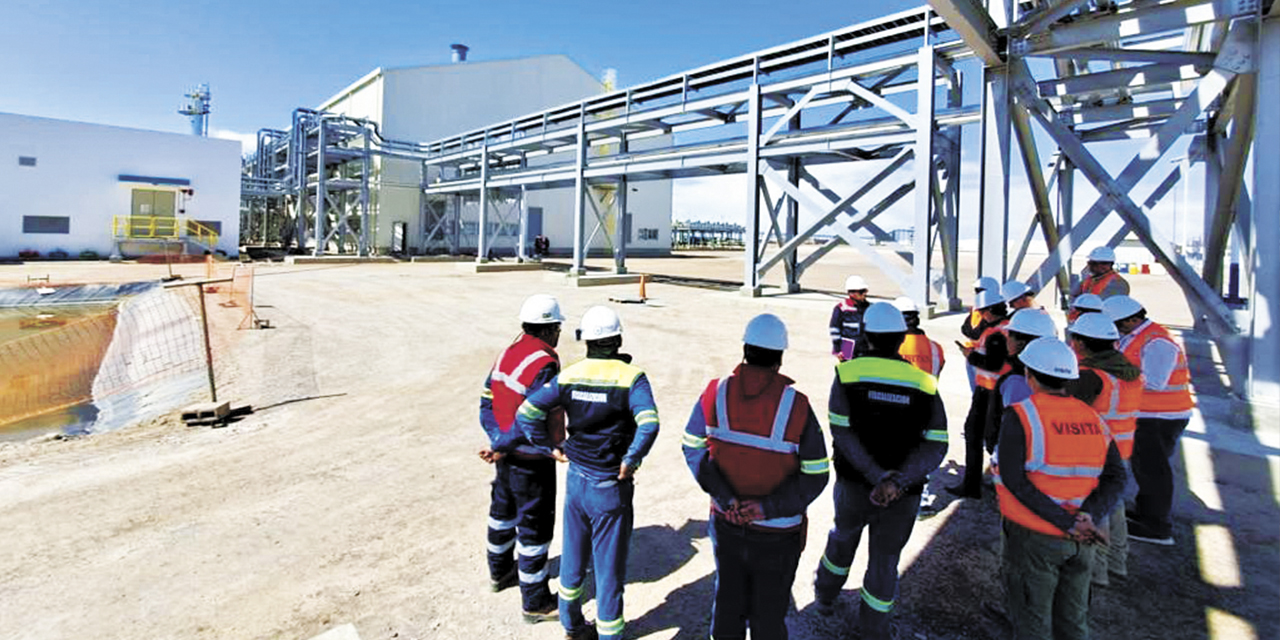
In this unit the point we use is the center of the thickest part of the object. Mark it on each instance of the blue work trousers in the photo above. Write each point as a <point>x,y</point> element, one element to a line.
<point>522,517</point>
<point>754,573</point>
<point>890,528</point>
<point>597,526</point>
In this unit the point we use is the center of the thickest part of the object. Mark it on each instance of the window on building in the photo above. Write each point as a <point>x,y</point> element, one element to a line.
<point>648,234</point>
<point>46,224</point>
<point>26,161</point>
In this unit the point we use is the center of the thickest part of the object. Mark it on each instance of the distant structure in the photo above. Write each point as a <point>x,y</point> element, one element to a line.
<point>197,109</point>
<point>89,190</point>
<point>698,234</point>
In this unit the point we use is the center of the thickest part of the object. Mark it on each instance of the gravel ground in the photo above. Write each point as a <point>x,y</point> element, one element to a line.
<point>353,494</point>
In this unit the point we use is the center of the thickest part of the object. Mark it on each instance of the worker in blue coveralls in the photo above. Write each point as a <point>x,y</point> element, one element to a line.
<point>612,424</point>
<point>754,445</point>
<point>889,431</point>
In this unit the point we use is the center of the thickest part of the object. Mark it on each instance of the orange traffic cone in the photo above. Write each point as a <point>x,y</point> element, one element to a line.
<point>643,279</point>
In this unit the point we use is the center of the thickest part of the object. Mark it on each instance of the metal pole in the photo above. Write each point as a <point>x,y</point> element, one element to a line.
<point>483,239</point>
<point>751,236</point>
<point>208,351</point>
<point>321,195</point>
<point>925,177</point>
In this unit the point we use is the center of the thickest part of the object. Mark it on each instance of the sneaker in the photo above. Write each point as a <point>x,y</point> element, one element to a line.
<point>545,613</point>
<point>509,579</point>
<point>1143,533</point>
<point>586,632</point>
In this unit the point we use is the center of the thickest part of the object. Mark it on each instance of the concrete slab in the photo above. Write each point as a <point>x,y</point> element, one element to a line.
<point>340,260</point>
<point>442,259</point>
<point>605,279</point>
<point>497,267</point>
<point>345,632</point>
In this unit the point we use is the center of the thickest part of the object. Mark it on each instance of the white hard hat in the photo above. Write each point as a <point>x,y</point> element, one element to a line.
<point>986,283</point>
<point>1012,290</point>
<point>1052,357</point>
<point>540,308</point>
<point>1087,302</point>
<point>1095,325</point>
<point>988,298</point>
<point>1033,322</point>
<point>855,283</point>
<point>599,323</point>
<point>1120,307</point>
<point>767,332</point>
<point>883,317</point>
<point>1102,254</point>
<point>905,304</point>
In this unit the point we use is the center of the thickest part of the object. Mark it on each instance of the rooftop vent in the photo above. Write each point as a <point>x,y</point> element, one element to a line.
<point>459,52</point>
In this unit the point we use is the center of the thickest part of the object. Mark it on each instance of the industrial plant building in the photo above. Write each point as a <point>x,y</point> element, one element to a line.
<point>80,189</point>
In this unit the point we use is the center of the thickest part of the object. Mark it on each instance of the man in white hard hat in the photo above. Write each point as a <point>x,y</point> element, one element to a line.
<point>1163,414</point>
<point>889,431</point>
<point>1082,304</point>
<point>1059,472</point>
<point>846,319</point>
<point>989,357</point>
<point>1112,385</point>
<point>612,424</point>
<point>522,507</point>
<point>1024,326</point>
<point>974,326</point>
<point>754,444</point>
<point>1099,278</point>
<point>1017,295</point>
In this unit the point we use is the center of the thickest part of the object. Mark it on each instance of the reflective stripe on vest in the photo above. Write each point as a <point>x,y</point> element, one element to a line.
<point>509,382</point>
<point>1118,403</point>
<point>984,378</point>
<point>777,442</point>
<point>1065,471</point>
<point>1174,402</point>
<point>1097,285</point>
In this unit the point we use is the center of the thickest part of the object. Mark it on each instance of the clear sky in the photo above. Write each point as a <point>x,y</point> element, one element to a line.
<point>129,63</point>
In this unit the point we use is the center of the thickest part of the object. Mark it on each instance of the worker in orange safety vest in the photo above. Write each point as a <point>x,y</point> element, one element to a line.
<point>1099,278</point>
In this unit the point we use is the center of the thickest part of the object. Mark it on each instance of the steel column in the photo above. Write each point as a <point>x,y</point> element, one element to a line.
<point>751,235</point>
<point>1264,295</point>
<point>993,205</point>
<point>925,178</point>
<point>579,196</point>
<point>322,194</point>
<point>482,238</point>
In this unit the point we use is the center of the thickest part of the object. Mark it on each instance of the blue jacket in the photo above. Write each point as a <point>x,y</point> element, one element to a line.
<point>609,411</point>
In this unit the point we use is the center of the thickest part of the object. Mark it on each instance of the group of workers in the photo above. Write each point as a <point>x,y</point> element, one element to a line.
<point>1062,421</point>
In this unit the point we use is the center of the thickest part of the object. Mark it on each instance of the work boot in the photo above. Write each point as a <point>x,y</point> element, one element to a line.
<point>1143,533</point>
<point>586,632</point>
<point>509,579</point>
<point>549,610</point>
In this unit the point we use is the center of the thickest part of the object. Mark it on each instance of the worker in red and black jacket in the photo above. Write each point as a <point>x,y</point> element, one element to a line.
<point>845,325</point>
<point>754,444</point>
<point>522,507</point>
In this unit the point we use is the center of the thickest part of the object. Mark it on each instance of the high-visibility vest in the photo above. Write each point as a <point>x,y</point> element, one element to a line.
<point>983,377</point>
<point>1097,284</point>
<point>1174,402</point>
<point>509,382</point>
<point>1066,444</point>
<point>755,441</point>
<point>1118,404</point>
<point>922,352</point>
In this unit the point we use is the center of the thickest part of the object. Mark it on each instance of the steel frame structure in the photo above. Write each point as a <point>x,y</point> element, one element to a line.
<point>1157,71</point>
<point>774,115</point>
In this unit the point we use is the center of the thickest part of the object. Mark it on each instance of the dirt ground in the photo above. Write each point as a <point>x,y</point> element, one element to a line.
<point>353,493</point>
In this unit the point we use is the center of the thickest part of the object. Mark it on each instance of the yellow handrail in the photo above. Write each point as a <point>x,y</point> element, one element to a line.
<point>163,227</point>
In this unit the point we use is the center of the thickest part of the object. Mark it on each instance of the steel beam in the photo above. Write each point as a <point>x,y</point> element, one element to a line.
<point>1200,60</point>
<point>482,243</point>
<point>1044,15</point>
<point>974,25</point>
<point>1039,190</point>
<point>579,199</point>
<point>1230,167</point>
<point>925,179</point>
<point>322,195</point>
<point>1106,27</point>
<point>993,207</point>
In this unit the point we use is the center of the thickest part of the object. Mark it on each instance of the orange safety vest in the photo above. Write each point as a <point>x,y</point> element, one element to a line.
<point>922,352</point>
<point>1118,404</point>
<point>1096,285</point>
<point>1174,402</point>
<point>984,378</point>
<point>755,442</point>
<point>1066,450</point>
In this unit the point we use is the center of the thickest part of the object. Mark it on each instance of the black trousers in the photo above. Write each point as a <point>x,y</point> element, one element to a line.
<point>1153,445</point>
<point>975,436</point>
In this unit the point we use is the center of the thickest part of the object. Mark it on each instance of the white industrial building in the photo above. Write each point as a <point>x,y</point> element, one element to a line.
<point>76,187</point>
<point>427,103</point>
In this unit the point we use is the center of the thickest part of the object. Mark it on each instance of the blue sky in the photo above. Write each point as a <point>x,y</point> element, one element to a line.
<point>128,64</point>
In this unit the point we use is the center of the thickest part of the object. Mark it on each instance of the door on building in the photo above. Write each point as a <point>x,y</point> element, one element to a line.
<point>535,228</point>
<point>152,213</point>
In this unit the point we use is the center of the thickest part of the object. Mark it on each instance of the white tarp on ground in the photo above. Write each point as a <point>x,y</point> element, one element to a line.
<point>155,363</point>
